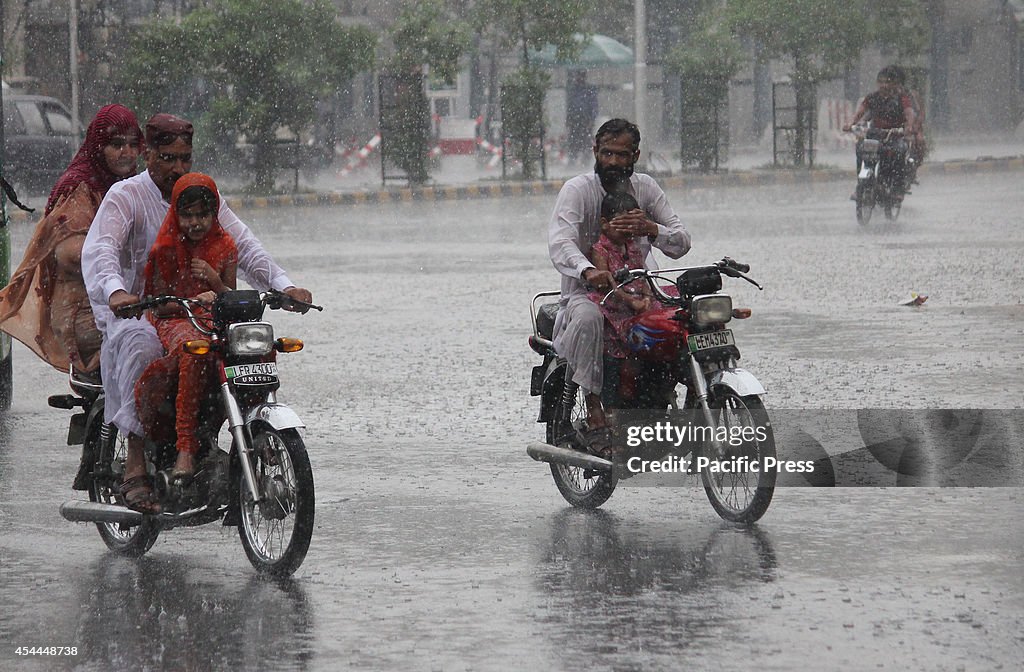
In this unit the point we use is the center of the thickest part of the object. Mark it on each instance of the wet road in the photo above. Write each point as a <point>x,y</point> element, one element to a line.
<point>440,545</point>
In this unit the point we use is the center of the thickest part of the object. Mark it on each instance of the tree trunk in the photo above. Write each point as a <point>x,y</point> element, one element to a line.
<point>264,166</point>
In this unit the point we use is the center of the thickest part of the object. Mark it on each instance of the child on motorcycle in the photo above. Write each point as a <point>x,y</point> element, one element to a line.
<point>192,257</point>
<point>614,251</point>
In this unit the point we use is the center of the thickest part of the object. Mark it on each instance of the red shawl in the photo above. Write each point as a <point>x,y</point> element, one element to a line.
<point>89,166</point>
<point>172,253</point>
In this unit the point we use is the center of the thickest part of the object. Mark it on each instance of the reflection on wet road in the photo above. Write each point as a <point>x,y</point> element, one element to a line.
<point>440,545</point>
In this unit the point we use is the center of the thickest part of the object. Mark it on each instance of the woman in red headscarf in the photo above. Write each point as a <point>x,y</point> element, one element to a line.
<point>192,257</point>
<point>45,306</point>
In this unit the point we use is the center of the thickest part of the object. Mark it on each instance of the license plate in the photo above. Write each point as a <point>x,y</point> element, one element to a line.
<point>710,341</point>
<point>260,373</point>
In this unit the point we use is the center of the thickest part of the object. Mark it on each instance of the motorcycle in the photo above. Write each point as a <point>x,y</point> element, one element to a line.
<point>684,343</point>
<point>260,481</point>
<point>884,173</point>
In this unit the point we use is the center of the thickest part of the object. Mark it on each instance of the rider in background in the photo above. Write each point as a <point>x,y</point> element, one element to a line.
<point>888,107</point>
<point>918,146</point>
<point>192,257</point>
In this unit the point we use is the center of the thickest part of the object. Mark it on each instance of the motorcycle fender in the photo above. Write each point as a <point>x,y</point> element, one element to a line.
<point>76,430</point>
<point>740,381</point>
<point>865,172</point>
<point>551,387</point>
<point>278,416</point>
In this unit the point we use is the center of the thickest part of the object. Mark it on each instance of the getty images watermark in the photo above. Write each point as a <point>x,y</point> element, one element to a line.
<point>938,447</point>
<point>729,456</point>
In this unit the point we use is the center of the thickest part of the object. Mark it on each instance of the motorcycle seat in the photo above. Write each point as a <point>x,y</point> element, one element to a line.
<point>85,383</point>
<point>546,320</point>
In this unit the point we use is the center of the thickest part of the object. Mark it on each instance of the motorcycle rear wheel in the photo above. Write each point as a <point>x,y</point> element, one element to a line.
<point>276,532</point>
<point>741,496</point>
<point>128,540</point>
<point>865,202</point>
<point>582,488</point>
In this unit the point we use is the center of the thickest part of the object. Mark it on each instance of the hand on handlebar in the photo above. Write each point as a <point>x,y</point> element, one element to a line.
<point>123,304</point>
<point>599,280</point>
<point>299,294</point>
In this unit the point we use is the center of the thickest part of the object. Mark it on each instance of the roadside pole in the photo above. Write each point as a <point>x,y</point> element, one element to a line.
<point>640,78</point>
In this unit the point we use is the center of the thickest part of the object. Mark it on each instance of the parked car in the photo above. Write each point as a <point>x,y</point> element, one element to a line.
<point>38,141</point>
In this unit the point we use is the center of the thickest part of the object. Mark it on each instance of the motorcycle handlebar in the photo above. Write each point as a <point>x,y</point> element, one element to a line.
<point>276,300</point>
<point>150,302</point>
<point>729,262</point>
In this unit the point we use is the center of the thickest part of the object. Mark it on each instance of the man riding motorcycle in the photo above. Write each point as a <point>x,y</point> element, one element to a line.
<point>574,228</point>
<point>888,107</point>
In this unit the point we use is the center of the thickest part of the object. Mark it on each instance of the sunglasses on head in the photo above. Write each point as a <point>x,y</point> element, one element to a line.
<point>166,138</point>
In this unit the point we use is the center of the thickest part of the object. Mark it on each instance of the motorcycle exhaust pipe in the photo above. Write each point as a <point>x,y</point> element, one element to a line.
<point>543,452</point>
<point>78,511</point>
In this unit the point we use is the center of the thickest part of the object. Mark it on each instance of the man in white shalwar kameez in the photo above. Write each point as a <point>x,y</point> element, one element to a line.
<point>113,259</point>
<point>574,228</point>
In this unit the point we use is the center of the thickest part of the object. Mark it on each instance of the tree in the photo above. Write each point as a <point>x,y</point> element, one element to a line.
<point>262,63</point>
<point>820,36</point>
<point>519,26</point>
<point>425,34</point>
<point>705,61</point>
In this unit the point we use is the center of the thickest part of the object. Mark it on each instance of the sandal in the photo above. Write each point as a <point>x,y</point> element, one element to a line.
<point>184,473</point>
<point>138,495</point>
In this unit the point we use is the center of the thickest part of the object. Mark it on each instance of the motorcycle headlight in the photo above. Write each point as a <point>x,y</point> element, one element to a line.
<point>250,338</point>
<point>711,309</point>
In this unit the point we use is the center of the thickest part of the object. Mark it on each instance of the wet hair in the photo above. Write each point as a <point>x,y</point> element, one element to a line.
<point>899,75</point>
<point>197,194</point>
<point>616,203</point>
<point>892,73</point>
<point>614,127</point>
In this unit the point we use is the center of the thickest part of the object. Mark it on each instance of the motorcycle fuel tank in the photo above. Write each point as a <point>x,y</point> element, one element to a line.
<point>655,335</point>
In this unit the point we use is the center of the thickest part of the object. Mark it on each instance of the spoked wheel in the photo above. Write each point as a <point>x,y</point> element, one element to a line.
<point>742,493</point>
<point>865,202</point>
<point>276,531</point>
<point>583,488</point>
<point>128,540</point>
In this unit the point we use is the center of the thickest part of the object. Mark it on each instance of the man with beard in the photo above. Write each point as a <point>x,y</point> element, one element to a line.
<point>574,228</point>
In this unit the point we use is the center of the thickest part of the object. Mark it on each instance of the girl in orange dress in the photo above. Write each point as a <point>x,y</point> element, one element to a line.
<point>192,257</point>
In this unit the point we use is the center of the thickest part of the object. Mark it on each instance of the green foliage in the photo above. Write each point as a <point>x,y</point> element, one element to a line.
<point>405,124</point>
<point>152,73</point>
<point>427,34</point>
<point>531,24</point>
<point>710,54</point>
<point>901,28</point>
<point>823,35</point>
<point>819,35</point>
<point>705,61</point>
<point>522,113</point>
<point>263,64</point>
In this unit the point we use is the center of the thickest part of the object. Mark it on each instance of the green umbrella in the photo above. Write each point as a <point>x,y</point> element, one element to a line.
<point>599,51</point>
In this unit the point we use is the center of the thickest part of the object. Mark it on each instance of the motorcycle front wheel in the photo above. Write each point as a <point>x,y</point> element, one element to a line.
<point>865,201</point>
<point>276,532</point>
<point>128,540</point>
<point>583,488</point>
<point>740,494</point>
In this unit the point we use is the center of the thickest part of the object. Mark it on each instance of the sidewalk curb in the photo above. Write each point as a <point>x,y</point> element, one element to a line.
<point>746,178</point>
